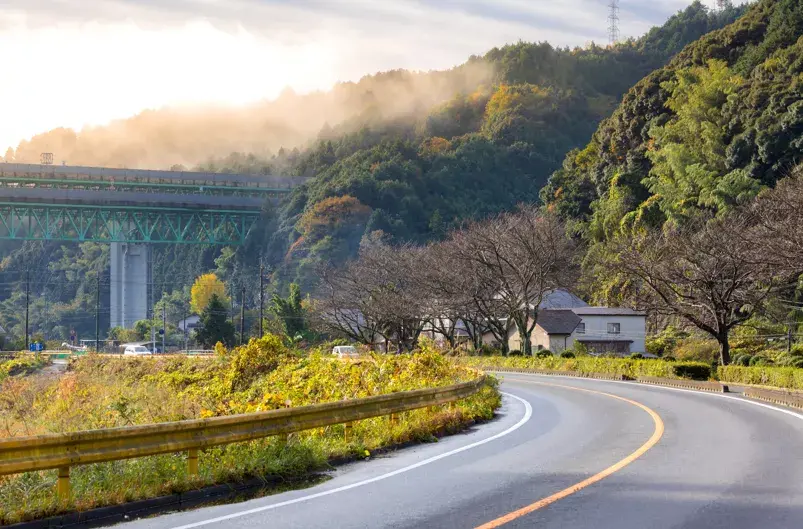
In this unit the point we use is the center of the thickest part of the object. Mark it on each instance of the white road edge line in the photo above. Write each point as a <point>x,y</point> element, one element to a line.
<point>528,412</point>
<point>657,386</point>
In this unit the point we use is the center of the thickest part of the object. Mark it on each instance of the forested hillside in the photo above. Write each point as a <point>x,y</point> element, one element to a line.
<point>483,151</point>
<point>401,155</point>
<point>720,122</point>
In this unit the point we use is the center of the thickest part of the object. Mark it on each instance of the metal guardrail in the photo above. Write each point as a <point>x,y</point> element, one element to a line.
<point>61,451</point>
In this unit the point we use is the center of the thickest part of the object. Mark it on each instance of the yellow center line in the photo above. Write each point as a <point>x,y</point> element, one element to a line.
<point>540,504</point>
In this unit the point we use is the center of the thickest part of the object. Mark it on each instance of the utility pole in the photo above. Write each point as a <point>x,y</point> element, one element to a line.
<point>47,323</point>
<point>242,314</point>
<point>97,313</point>
<point>152,285</point>
<point>164,324</point>
<point>27,303</point>
<point>261,298</point>
<point>186,333</point>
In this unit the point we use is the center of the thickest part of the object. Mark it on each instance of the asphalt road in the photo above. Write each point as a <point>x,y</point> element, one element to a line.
<point>720,463</point>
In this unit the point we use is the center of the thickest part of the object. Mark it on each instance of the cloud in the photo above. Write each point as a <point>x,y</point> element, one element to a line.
<point>112,58</point>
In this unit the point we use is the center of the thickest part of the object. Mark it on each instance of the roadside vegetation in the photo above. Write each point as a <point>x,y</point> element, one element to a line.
<point>589,365</point>
<point>103,392</point>
<point>21,366</point>
<point>774,377</point>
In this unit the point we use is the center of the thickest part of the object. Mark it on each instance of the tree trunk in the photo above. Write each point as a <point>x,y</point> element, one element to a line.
<point>724,349</point>
<point>528,344</point>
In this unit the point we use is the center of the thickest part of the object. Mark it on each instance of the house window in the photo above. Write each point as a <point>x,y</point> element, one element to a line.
<point>581,328</point>
<point>614,328</point>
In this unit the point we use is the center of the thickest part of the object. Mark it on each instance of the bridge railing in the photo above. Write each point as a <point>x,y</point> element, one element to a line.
<point>62,451</point>
<point>98,175</point>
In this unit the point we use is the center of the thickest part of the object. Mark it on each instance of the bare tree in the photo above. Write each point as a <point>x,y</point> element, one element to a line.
<point>705,273</point>
<point>391,275</point>
<point>520,257</point>
<point>344,305</point>
<point>776,230</point>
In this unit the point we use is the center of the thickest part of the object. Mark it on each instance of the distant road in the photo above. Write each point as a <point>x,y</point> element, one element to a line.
<point>720,463</point>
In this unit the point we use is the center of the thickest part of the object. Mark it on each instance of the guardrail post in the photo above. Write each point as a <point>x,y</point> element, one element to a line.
<point>192,461</point>
<point>394,420</point>
<point>63,484</point>
<point>347,433</point>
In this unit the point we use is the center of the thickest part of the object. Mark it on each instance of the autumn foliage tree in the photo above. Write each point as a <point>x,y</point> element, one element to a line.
<point>203,289</point>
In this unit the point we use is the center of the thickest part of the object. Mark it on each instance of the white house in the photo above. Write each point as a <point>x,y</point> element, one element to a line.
<point>603,330</point>
<point>611,330</point>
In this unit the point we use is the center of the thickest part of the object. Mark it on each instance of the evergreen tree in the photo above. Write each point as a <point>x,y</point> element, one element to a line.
<point>214,326</point>
<point>290,311</point>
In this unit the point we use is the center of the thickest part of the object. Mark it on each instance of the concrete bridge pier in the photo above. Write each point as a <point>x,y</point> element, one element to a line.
<point>130,277</point>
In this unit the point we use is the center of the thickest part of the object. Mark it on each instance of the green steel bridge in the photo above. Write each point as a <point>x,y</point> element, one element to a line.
<point>70,203</point>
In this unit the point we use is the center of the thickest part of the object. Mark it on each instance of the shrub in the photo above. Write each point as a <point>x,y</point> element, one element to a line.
<point>742,359</point>
<point>636,356</point>
<point>588,365</point>
<point>697,350</point>
<point>515,352</point>
<point>759,360</point>
<point>780,377</point>
<point>797,350</point>
<point>668,359</point>
<point>692,370</point>
<point>487,350</point>
<point>22,366</point>
<point>567,354</point>
<point>579,348</point>
<point>664,343</point>
<point>544,353</point>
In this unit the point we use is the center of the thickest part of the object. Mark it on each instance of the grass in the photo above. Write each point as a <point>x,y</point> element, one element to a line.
<point>588,365</point>
<point>100,392</point>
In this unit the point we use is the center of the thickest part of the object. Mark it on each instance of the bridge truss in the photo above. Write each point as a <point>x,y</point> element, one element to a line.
<point>124,224</point>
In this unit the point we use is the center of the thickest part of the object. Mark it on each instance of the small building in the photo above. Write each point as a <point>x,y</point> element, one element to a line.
<point>608,330</point>
<point>603,330</point>
<point>189,324</point>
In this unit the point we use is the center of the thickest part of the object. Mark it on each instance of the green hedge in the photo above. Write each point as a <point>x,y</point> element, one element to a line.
<point>779,377</point>
<point>628,367</point>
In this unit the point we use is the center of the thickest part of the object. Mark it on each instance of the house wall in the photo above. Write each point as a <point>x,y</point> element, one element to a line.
<point>559,343</point>
<point>632,328</point>
<point>540,340</point>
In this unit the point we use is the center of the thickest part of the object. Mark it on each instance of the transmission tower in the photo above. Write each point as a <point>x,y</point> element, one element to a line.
<point>613,22</point>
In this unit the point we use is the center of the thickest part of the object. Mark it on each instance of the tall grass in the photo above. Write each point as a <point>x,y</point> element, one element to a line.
<point>100,392</point>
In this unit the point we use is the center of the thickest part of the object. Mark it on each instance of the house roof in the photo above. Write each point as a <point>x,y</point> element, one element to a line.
<point>561,299</point>
<point>558,321</point>
<point>606,311</point>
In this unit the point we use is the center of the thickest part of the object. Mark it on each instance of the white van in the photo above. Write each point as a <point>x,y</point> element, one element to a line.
<point>345,351</point>
<point>136,350</point>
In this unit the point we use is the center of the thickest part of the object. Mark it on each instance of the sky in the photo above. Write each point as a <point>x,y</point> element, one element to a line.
<point>75,63</point>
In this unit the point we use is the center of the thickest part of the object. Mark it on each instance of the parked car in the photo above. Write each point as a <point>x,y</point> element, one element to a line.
<point>345,351</point>
<point>136,350</point>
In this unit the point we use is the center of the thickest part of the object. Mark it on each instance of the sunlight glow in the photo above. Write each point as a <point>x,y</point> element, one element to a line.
<point>76,75</point>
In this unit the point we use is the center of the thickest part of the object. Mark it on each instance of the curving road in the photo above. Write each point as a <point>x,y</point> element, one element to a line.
<point>720,462</point>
